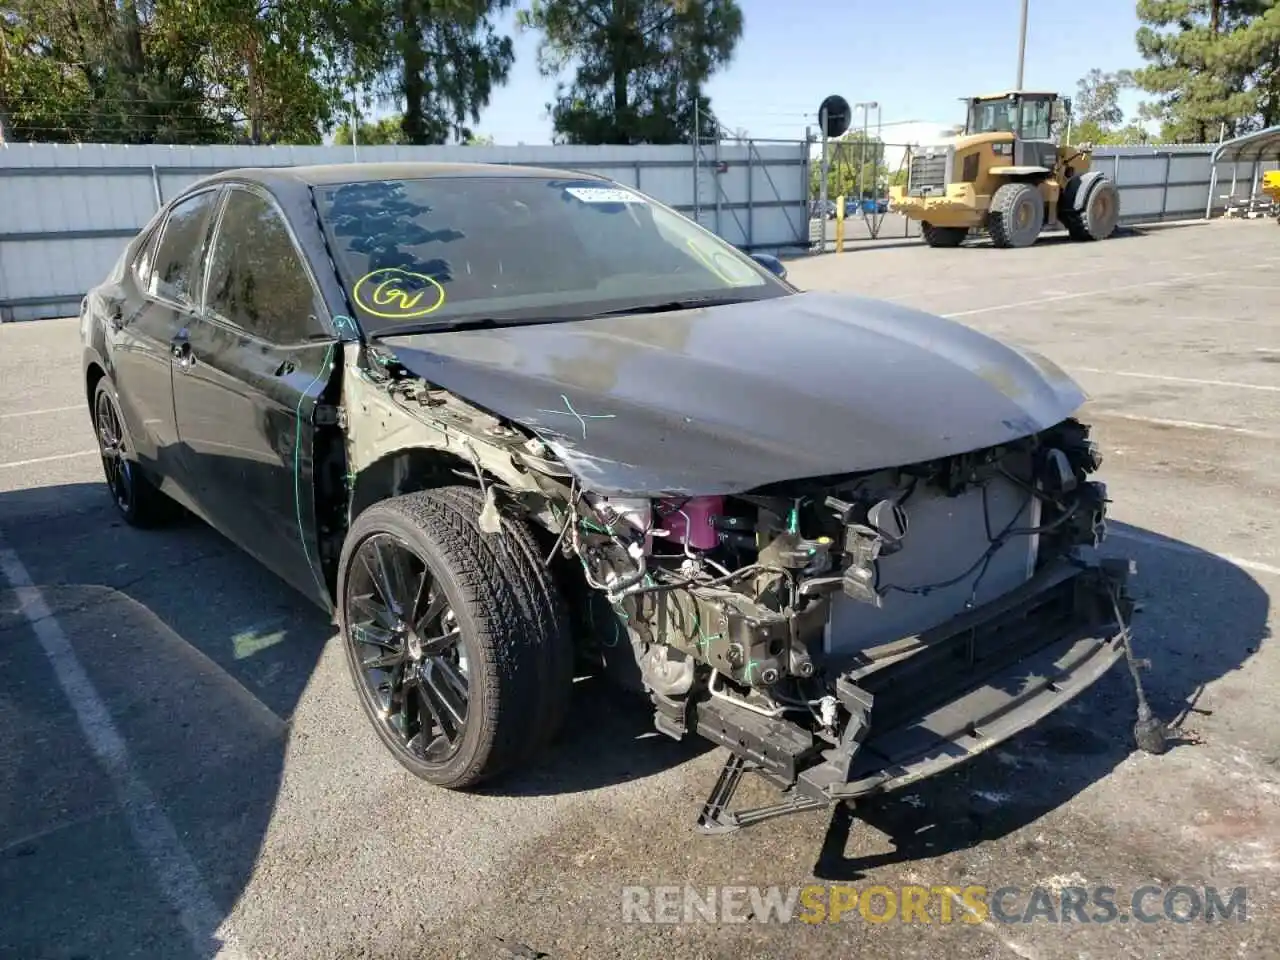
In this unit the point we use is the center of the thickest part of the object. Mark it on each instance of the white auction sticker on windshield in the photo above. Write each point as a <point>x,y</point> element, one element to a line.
<point>603,195</point>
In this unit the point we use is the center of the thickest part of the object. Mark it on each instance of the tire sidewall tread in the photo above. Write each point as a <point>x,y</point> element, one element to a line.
<point>1003,204</point>
<point>510,622</point>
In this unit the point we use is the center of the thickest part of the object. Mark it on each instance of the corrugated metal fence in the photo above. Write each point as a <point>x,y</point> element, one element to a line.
<point>1172,182</point>
<point>66,210</point>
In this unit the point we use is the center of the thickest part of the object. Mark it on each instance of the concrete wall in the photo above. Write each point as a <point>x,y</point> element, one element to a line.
<point>67,210</point>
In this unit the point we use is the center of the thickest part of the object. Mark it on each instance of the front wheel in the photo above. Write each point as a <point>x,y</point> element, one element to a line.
<point>456,639</point>
<point>1101,213</point>
<point>1016,216</point>
<point>943,236</point>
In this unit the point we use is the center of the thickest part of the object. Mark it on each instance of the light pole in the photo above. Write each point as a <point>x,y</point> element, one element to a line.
<point>866,107</point>
<point>1022,44</point>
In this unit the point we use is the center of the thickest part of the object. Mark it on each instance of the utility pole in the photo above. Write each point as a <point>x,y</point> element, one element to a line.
<point>822,183</point>
<point>1022,44</point>
<point>866,107</point>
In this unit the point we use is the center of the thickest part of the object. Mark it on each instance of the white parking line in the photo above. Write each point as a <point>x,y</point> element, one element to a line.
<point>955,287</point>
<point>58,456</point>
<point>1186,424</point>
<point>1269,388</point>
<point>1255,321</point>
<point>1246,286</point>
<point>1160,544</point>
<point>40,413</point>
<point>175,871</point>
<point>1081,293</point>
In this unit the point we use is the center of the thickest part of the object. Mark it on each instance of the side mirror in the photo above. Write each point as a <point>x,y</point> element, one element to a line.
<point>771,263</point>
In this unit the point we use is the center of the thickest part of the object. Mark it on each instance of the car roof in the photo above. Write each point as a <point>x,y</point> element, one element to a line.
<point>333,173</point>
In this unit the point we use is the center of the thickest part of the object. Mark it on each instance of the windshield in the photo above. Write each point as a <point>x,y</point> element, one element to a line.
<point>1003,116</point>
<point>513,248</point>
<point>993,116</point>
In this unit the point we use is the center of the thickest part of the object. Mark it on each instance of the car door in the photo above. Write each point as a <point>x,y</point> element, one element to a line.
<point>157,298</point>
<point>255,365</point>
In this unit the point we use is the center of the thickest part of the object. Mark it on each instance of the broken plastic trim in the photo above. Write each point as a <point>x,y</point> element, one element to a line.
<point>1050,640</point>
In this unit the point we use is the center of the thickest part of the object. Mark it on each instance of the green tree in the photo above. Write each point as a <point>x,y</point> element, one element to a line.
<point>640,66</point>
<point>165,71</point>
<point>387,131</point>
<point>1210,63</point>
<point>847,156</point>
<point>437,60</point>
<point>1097,98</point>
<point>80,70</point>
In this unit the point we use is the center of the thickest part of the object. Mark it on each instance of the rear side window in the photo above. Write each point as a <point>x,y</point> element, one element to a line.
<point>257,278</point>
<point>175,267</point>
<point>144,262</point>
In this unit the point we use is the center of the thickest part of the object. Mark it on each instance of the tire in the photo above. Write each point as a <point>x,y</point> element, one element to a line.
<point>942,236</point>
<point>138,501</point>
<point>1101,213</point>
<point>510,640</point>
<point>1016,215</point>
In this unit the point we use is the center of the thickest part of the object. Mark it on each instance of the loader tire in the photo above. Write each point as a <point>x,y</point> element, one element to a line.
<point>1101,212</point>
<point>942,236</point>
<point>1016,216</point>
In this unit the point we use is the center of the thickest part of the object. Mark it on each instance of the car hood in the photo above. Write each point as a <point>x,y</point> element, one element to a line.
<point>725,399</point>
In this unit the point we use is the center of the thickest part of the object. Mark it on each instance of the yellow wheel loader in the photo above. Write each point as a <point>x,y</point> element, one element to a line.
<point>1005,174</point>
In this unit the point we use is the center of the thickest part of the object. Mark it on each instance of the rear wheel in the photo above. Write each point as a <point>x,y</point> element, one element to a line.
<point>1101,213</point>
<point>136,498</point>
<point>456,639</point>
<point>1016,216</point>
<point>942,236</point>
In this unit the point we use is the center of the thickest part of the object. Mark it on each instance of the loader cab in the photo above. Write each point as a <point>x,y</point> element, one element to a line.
<point>1030,117</point>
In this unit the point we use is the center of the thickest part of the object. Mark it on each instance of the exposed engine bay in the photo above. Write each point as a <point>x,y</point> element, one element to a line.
<point>797,622</point>
<point>756,598</point>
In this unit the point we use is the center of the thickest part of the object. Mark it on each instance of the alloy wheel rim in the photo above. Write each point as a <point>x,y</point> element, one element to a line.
<point>111,445</point>
<point>411,660</point>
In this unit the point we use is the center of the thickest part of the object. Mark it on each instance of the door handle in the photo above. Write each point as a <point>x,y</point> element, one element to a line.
<point>286,367</point>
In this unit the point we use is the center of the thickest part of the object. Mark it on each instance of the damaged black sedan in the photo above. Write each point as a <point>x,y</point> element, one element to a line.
<point>507,421</point>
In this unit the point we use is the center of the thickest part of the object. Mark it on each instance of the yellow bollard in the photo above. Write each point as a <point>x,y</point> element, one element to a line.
<point>840,224</point>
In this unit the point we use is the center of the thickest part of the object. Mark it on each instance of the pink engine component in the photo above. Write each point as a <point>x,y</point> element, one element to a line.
<point>698,529</point>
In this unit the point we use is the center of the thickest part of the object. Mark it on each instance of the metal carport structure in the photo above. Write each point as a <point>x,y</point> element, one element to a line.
<point>1255,148</point>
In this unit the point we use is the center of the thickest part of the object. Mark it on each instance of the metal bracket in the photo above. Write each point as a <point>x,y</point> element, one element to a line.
<point>716,817</point>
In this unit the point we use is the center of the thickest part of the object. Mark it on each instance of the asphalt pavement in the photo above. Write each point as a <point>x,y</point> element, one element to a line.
<point>185,772</point>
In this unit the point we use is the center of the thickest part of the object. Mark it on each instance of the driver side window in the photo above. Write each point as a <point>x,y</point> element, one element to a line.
<point>257,279</point>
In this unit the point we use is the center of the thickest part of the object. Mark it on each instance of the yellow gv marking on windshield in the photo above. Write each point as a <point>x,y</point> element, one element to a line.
<point>388,293</point>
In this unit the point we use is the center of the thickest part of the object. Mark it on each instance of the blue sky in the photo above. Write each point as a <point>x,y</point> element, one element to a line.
<point>915,57</point>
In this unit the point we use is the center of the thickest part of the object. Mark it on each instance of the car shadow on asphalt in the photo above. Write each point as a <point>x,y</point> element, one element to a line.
<point>193,659</point>
<point>201,658</point>
<point>1043,768</point>
<point>609,740</point>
